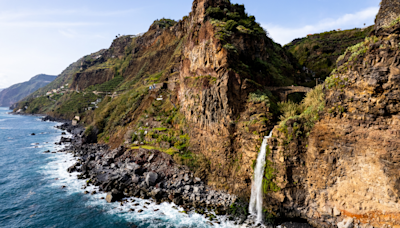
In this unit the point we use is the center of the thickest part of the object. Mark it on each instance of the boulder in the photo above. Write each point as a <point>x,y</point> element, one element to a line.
<point>132,166</point>
<point>135,179</point>
<point>114,195</point>
<point>151,178</point>
<point>186,177</point>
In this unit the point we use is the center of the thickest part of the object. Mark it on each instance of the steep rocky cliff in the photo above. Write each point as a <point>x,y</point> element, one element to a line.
<point>345,171</point>
<point>18,91</point>
<point>389,12</point>
<point>209,108</point>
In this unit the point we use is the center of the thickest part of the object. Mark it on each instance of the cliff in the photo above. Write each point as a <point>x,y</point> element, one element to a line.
<point>344,171</point>
<point>210,108</point>
<point>18,91</point>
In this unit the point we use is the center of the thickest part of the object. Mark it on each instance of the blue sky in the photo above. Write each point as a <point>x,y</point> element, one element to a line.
<point>45,36</point>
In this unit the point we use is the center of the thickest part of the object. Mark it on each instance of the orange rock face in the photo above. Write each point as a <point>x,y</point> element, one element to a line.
<point>349,170</point>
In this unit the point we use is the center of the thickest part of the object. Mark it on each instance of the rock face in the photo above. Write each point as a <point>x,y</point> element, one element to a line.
<point>389,11</point>
<point>348,172</point>
<point>225,126</point>
<point>18,91</point>
<point>88,76</point>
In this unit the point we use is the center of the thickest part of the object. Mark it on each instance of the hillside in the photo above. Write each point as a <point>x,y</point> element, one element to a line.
<point>210,70</point>
<point>319,52</point>
<point>18,91</point>
<point>64,78</point>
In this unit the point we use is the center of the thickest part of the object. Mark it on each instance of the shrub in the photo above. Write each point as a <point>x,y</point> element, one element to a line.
<point>231,25</point>
<point>215,12</point>
<point>164,23</point>
<point>288,109</point>
<point>230,47</point>
<point>307,111</point>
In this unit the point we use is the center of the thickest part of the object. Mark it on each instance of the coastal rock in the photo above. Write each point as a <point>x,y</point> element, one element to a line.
<point>151,178</point>
<point>113,196</point>
<point>123,172</point>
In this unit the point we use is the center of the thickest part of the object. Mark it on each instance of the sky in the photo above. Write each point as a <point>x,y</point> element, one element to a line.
<point>46,36</point>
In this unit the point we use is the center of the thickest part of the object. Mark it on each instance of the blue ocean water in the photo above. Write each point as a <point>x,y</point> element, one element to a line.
<point>32,193</point>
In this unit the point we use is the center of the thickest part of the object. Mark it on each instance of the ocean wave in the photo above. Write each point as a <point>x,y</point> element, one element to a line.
<point>153,215</point>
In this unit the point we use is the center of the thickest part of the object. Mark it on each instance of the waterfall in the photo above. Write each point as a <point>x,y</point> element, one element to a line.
<point>256,200</point>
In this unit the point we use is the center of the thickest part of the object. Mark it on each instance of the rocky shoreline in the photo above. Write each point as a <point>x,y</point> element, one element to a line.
<point>146,174</point>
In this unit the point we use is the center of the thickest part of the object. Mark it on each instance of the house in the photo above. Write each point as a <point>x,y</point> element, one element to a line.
<point>48,93</point>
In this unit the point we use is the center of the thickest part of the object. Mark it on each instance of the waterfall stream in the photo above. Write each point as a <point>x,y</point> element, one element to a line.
<point>256,200</point>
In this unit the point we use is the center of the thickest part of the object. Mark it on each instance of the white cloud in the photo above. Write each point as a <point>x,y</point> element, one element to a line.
<point>284,35</point>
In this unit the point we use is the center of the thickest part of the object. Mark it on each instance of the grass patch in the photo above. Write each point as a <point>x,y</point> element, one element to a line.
<point>160,128</point>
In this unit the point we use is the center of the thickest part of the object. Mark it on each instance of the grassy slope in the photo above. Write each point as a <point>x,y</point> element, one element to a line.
<point>319,52</point>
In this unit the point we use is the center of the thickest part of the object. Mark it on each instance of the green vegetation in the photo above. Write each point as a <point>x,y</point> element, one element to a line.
<point>233,19</point>
<point>269,180</point>
<point>112,115</point>
<point>319,52</point>
<point>72,104</point>
<point>164,23</point>
<point>266,98</point>
<point>108,86</point>
<point>303,116</point>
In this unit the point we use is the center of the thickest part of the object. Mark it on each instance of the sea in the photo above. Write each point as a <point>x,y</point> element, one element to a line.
<point>37,191</point>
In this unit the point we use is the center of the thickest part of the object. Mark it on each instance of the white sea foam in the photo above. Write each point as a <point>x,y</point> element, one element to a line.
<point>158,214</point>
<point>165,214</point>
